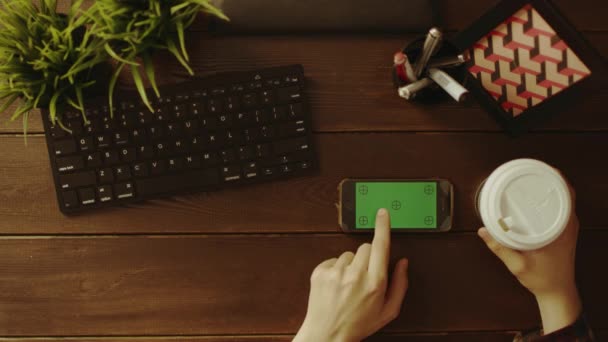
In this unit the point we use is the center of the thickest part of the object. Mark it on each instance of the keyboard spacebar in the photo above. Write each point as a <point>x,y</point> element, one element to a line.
<point>173,183</point>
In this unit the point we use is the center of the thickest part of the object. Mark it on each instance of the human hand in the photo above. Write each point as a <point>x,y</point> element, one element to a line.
<point>349,296</point>
<point>549,273</point>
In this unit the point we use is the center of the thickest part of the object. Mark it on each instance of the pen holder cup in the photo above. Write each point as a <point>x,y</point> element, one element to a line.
<point>433,93</point>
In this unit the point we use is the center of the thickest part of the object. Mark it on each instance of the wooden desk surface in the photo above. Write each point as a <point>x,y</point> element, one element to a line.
<point>234,265</point>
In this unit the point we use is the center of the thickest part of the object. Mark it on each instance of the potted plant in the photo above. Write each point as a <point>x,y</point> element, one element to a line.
<point>47,60</point>
<point>133,29</point>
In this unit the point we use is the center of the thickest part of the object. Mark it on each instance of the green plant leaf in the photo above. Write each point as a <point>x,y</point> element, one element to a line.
<point>139,84</point>
<point>149,67</point>
<point>182,42</point>
<point>112,84</point>
<point>117,57</point>
<point>171,47</point>
<point>25,122</point>
<point>8,103</point>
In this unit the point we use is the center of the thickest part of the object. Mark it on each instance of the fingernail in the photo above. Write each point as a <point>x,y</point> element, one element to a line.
<point>382,212</point>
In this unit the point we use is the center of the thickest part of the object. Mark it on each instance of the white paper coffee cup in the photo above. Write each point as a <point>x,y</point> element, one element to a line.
<point>525,204</point>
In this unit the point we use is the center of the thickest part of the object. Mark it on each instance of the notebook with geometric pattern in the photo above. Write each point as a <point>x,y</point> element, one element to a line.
<point>522,62</point>
<point>526,62</point>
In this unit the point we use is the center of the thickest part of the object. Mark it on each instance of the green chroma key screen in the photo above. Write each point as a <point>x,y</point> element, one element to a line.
<point>410,204</point>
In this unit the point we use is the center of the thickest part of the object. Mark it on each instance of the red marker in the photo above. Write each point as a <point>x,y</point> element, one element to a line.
<point>403,68</point>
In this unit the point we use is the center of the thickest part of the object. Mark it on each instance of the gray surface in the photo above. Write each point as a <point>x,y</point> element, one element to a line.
<point>328,15</point>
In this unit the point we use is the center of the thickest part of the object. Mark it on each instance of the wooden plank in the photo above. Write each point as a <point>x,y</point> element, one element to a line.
<point>585,15</point>
<point>440,337</point>
<point>352,93</point>
<point>380,337</point>
<point>305,204</point>
<point>255,284</point>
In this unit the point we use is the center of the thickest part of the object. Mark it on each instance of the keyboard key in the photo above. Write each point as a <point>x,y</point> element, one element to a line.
<point>127,154</point>
<point>162,149</point>
<point>286,168</point>
<point>261,116</point>
<point>158,167</point>
<point>231,173</point>
<point>103,141</point>
<point>296,110</point>
<point>107,124</point>
<point>210,158</point>
<point>175,164</point>
<point>121,138</point>
<point>155,132</point>
<point>214,106</point>
<point>231,138</point>
<point>262,150</point>
<point>267,97</point>
<point>76,180</point>
<point>251,135</point>
<point>64,147</point>
<point>291,145</point>
<point>106,176</point>
<point>104,193</point>
<point>218,91</point>
<point>250,170</point>
<point>124,190</point>
<point>138,136</point>
<point>225,119</point>
<point>304,165</point>
<point>289,94</point>
<point>144,118</point>
<point>192,162</point>
<point>196,144</point>
<point>75,126</point>
<point>126,121</point>
<point>87,196</point>
<point>178,112</point>
<point>279,113</point>
<point>72,163</point>
<point>243,118</point>
<point>228,156</point>
<point>250,100</point>
<point>213,140</point>
<point>174,130</point>
<point>174,183</point>
<point>292,129</point>
<point>267,132</point>
<point>57,132</point>
<point>145,152</point>
<point>232,104</point>
<point>92,127</point>
<point>85,144</point>
<point>209,123</point>
<point>140,170</point>
<point>123,173</point>
<point>110,157</point>
<point>269,171</point>
<point>93,159</point>
<point>191,128</point>
<point>70,199</point>
<point>246,153</point>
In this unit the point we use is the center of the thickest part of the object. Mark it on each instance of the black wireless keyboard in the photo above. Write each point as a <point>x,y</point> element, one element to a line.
<point>225,130</point>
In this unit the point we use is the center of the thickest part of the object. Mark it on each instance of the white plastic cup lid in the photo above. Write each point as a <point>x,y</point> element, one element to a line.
<point>525,204</point>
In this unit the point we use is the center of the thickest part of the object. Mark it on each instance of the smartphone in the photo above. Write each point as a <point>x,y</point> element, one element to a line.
<point>415,205</point>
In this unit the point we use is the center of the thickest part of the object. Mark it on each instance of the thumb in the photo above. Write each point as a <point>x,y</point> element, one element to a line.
<point>396,291</point>
<point>512,259</point>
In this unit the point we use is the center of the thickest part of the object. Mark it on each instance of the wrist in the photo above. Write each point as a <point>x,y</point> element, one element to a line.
<point>560,308</point>
<point>317,334</point>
